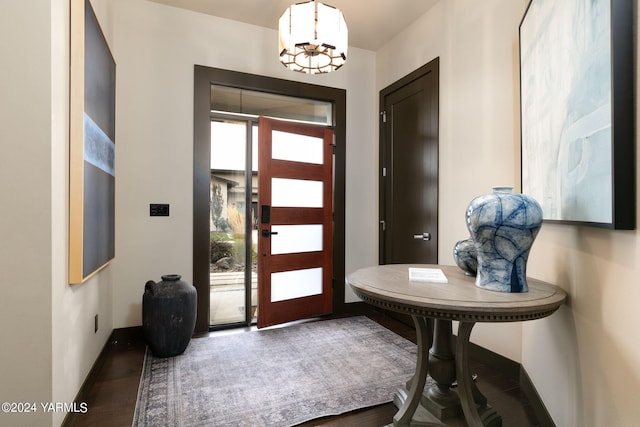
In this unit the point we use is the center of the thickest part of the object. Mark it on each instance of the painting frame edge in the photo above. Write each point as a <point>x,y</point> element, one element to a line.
<point>77,77</point>
<point>623,133</point>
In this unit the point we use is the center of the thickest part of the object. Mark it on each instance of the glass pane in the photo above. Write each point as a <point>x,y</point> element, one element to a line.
<point>254,217</point>
<point>228,146</point>
<point>254,152</point>
<point>296,193</point>
<point>296,148</point>
<point>296,238</point>
<point>296,284</point>
<point>227,222</point>
<point>255,103</point>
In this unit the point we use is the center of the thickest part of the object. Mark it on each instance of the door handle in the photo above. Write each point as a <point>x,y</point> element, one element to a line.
<point>424,236</point>
<point>267,233</point>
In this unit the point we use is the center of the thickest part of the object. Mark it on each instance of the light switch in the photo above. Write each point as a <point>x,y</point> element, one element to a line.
<point>159,209</point>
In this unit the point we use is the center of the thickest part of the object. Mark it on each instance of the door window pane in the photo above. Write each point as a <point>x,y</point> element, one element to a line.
<point>296,238</point>
<point>287,285</point>
<point>296,193</point>
<point>296,148</point>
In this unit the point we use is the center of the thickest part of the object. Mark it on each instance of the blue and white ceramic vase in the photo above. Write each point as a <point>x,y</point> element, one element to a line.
<point>503,226</point>
<point>464,254</point>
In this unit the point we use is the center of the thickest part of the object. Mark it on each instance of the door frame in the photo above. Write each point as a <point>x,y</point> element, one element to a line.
<point>432,67</point>
<point>204,77</point>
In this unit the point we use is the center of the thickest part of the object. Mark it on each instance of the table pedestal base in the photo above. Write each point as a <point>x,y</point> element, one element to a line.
<point>439,404</point>
<point>443,409</point>
<point>432,414</point>
<point>422,416</point>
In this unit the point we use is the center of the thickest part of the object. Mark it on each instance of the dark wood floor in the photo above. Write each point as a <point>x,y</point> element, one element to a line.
<point>111,398</point>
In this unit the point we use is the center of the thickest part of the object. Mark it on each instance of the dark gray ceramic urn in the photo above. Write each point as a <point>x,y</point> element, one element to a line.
<point>168,315</point>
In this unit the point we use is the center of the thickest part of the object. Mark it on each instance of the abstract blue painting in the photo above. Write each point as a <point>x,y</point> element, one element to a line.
<point>91,147</point>
<point>567,105</point>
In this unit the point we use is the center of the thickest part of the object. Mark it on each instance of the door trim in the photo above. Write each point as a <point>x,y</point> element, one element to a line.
<point>203,78</point>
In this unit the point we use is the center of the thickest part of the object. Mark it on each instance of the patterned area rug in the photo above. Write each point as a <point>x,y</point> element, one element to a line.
<point>275,377</point>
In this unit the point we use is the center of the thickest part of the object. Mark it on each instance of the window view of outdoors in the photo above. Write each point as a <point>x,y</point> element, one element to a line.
<point>228,223</point>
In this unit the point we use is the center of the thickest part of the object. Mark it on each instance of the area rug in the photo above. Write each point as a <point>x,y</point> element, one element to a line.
<point>275,377</point>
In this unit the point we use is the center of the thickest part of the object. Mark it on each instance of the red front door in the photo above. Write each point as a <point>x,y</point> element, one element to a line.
<point>295,221</point>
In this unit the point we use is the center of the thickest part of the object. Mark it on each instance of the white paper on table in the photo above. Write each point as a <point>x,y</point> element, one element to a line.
<point>434,275</point>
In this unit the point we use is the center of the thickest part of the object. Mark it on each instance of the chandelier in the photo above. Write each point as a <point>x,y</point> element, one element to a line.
<point>313,38</point>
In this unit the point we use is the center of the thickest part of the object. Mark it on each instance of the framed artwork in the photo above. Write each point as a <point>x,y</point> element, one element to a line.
<point>91,146</point>
<point>577,111</point>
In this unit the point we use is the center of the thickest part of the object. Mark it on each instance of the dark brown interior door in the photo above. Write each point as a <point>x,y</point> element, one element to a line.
<point>295,233</point>
<point>409,169</point>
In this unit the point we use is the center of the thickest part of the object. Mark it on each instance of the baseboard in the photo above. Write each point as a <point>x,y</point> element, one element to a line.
<point>536,401</point>
<point>83,393</point>
<point>126,336</point>
<point>506,366</point>
<point>118,337</point>
<point>356,308</point>
<point>516,372</point>
<point>400,317</point>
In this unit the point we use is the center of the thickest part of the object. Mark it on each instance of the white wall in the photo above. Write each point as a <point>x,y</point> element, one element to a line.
<point>585,359</point>
<point>156,47</point>
<point>25,217</point>
<point>48,342</point>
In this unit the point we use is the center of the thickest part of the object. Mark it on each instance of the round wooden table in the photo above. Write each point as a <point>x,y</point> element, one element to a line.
<point>433,306</point>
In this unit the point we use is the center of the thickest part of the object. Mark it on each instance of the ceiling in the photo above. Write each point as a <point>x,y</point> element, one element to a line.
<point>371,23</point>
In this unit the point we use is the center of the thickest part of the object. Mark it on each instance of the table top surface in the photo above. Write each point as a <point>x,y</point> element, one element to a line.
<point>388,286</point>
